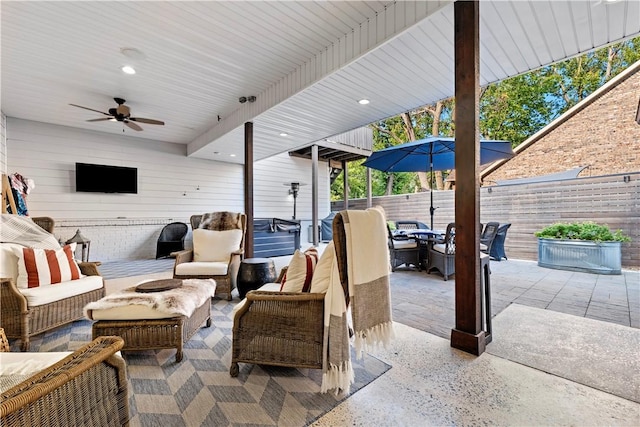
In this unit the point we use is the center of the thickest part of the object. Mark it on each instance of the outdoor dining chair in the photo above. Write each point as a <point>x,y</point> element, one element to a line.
<point>442,256</point>
<point>497,248</point>
<point>403,250</point>
<point>488,236</point>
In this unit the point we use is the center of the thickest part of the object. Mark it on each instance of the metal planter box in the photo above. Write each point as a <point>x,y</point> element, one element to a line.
<point>580,255</point>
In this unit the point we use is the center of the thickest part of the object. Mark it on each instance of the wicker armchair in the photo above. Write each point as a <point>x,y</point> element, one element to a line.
<point>45,222</point>
<point>442,256</point>
<point>87,388</point>
<point>20,320</point>
<point>226,280</point>
<point>171,239</point>
<point>283,328</point>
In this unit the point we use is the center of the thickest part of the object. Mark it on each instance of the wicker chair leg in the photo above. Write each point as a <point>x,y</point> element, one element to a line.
<point>234,370</point>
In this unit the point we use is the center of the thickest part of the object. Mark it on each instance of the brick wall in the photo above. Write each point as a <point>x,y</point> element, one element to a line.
<point>115,239</point>
<point>603,135</point>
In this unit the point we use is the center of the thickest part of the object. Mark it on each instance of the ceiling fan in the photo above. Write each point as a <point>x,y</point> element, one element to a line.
<point>121,113</point>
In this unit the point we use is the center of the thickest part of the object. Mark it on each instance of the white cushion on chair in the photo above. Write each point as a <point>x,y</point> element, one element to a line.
<point>46,294</point>
<point>440,247</point>
<point>9,260</point>
<point>212,245</point>
<point>300,271</point>
<point>202,268</point>
<point>322,273</point>
<point>405,244</point>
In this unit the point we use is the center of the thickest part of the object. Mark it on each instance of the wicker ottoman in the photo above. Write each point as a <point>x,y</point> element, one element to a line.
<point>151,334</point>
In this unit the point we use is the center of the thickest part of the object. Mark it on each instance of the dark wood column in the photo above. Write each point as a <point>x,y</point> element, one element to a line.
<point>314,195</point>
<point>248,188</point>
<point>468,334</point>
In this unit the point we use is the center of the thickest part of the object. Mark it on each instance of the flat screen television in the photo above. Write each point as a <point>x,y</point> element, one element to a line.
<point>106,179</point>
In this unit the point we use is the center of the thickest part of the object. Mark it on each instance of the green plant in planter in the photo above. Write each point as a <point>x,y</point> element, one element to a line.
<point>582,231</point>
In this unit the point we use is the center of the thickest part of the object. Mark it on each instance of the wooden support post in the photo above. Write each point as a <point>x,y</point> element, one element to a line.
<point>369,199</point>
<point>314,195</point>
<point>468,334</point>
<point>248,188</point>
<point>345,187</point>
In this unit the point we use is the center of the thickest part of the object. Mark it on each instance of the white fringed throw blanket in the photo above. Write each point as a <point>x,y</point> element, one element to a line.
<point>369,294</point>
<point>22,230</point>
<point>181,301</point>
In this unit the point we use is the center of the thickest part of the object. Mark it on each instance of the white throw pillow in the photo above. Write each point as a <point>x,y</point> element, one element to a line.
<point>211,245</point>
<point>300,271</point>
<point>324,270</point>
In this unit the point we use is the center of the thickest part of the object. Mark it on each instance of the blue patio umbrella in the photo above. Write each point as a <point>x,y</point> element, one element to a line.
<point>431,154</point>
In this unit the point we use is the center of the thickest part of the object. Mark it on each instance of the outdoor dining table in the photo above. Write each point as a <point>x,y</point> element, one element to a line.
<point>426,239</point>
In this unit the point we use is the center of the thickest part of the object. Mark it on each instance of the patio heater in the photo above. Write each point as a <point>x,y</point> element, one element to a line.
<point>293,190</point>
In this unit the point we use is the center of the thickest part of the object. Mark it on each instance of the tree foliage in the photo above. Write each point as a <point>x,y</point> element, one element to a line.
<point>511,110</point>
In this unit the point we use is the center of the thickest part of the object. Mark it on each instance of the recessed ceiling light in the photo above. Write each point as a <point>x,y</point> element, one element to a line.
<point>363,102</point>
<point>127,69</point>
<point>284,134</point>
<point>232,155</point>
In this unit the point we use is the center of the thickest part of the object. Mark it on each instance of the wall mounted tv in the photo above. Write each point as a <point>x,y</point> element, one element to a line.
<point>106,179</point>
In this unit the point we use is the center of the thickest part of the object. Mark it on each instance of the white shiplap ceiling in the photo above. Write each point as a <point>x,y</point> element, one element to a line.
<point>308,63</point>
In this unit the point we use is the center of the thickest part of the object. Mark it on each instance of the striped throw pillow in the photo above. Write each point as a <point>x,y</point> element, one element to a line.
<point>43,267</point>
<point>300,271</point>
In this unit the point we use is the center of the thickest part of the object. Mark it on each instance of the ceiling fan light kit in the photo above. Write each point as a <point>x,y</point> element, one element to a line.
<point>121,113</point>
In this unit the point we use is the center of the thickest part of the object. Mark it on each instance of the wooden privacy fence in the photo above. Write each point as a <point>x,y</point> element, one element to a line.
<point>612,199</point>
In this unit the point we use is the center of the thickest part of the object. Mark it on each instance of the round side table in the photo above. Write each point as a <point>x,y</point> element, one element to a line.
<point>255,272</point>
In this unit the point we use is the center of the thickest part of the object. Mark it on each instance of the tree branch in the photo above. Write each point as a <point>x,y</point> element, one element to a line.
<point>387,132</point>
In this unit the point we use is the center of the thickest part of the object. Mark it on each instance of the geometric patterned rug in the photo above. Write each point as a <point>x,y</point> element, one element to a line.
<point>198,391</point>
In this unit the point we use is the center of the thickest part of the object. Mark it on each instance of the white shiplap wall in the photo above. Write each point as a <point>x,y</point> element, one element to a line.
<point>126,226</point>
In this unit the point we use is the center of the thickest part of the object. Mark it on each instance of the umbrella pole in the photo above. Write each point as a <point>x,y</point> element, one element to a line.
<point>431,208</point>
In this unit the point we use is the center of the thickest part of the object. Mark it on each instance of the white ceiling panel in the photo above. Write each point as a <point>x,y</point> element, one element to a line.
<point>307,62</point>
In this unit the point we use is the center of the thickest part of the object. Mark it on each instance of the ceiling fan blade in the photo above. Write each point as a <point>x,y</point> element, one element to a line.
<point>148,121</point>
<point>101,119</point>
<point>132,125</point>
<point>90,109</point>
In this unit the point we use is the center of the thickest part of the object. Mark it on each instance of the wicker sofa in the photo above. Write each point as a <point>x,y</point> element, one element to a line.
<point>86,388</point>
<point>26,313</point>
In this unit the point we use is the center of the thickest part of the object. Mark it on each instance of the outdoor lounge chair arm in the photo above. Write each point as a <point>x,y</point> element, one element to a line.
<point>89,268</point>
<point>184,256</point>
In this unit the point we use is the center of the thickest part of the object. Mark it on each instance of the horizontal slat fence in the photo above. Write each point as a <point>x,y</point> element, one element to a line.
<point>613,200</point>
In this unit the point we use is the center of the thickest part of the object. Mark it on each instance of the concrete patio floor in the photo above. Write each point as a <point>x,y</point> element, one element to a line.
<point>427,302</point>
<point>565,351</point>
